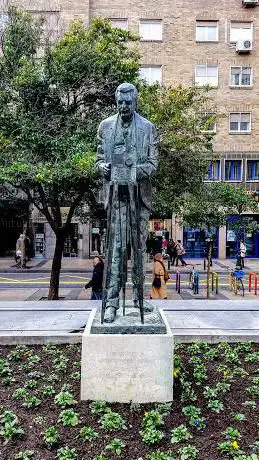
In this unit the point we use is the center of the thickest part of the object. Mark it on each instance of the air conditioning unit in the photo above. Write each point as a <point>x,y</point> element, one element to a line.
<point>247,3</point>
<point>244,46</point>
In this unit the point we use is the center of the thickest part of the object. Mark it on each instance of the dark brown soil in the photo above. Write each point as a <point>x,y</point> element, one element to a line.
<point>206,440</point>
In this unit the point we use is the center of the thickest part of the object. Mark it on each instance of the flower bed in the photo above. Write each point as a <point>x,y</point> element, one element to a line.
<point>214,414</point>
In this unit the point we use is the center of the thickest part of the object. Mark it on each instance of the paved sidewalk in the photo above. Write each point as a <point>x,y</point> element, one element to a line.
<point>74,264</point>
<point>64,321</point>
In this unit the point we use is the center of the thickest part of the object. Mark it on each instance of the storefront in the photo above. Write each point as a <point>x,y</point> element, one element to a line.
<point>195,241</point>
<point>250,237</point>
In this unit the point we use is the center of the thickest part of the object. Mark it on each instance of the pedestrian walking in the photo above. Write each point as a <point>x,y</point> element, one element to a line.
<point>180,252</point>
<point>242,250</point>
<point>171,249</point>
<point>164,246</point>
<point>96,283</point>
<point>160,278</point>
<point>20,251</point>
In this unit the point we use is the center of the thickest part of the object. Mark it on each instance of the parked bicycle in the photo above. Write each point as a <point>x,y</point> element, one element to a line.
<point>236,282</point>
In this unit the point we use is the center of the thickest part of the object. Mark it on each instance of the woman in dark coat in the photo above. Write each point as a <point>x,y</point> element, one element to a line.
<point>96,283</point>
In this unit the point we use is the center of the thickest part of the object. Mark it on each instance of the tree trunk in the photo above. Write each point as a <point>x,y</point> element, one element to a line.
<point>56,266</point>
<point>208,269</point>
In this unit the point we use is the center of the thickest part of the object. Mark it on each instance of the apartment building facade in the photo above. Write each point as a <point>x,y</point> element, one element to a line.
<point>192,43</point>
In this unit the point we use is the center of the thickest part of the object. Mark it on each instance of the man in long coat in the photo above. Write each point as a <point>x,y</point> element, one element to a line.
<point>127,154</point>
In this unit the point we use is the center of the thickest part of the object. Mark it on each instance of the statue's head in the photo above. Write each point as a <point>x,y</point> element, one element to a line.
<point>126,98</point>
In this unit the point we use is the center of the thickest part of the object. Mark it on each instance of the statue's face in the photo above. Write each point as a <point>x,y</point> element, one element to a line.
<point>126,105</point>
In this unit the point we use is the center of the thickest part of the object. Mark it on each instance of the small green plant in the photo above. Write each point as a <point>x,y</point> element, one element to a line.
<point>199,374</point>
<point>32,360</point>
<point>194,415</point>
<point>188,452</point>
<point>51,436</point>
<point>188,393</point>
<point>39,420</point>
<point>215,406</point>
<point>64,453</point>
<point>65,399</point>
<point>164,409</point>
<point>31,384</point>
<point>232,434</point>
<point>250,404</point>
<point>115,446</point>
<point>50,349</point>
<point>60,363</point>
<point>210,393</point>
<point>25,455</point>
<point>68,417</point>
<point>36,375</point>
<point>229,447</point>
<point>8,417</point>
<point>75,375</point>
<point>98,407</point>
<point>7,381</point>
<point>180,434</point>
<point>10,430</point>
<point>52,378</point>
<point>153,418</point>
<point>151,435</point>
<point>88,434</point>
<point>159,456</point>
<point>17,353</point>
<point>48,390</point>
<point>20,393</point>
<point>112,421</point>
<point>31,401</point>
<point>252,357</point>
<point>239,417</point>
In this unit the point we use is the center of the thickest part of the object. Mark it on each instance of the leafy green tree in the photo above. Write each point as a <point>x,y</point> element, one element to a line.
<point>185,143</point>
<point>52,99</point>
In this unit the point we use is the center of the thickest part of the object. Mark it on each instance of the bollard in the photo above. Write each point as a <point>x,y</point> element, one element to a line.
<point>196,283</point>
<point>204,264</point>
<point>215,277</point>
<point>252,276</point>
<point>178,282</point>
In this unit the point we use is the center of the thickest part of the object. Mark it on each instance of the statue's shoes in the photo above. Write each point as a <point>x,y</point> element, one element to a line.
<point>147,308</point>
<point>110,314</point>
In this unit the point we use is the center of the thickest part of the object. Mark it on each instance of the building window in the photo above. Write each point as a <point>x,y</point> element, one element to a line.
<point>233,170</point>
<point>119,23</point>
<point>151,74</point>
<point>241,31</point>
<point>214,171</point>
<point>207,31</point>
<point>240,122</point>
<point>208,123</point>
<point>206,75</point>
<point>150,30</point>
<point>252,171</point>
<point>241,76</point>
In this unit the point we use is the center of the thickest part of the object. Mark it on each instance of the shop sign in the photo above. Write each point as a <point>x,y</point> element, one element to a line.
<point>95,231</point>
<point>231,235</point>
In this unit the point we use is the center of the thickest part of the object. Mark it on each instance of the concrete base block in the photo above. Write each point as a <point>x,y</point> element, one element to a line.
<point>124,368</point>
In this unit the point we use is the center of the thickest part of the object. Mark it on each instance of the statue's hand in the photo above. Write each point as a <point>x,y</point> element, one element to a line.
<point>106,170</point>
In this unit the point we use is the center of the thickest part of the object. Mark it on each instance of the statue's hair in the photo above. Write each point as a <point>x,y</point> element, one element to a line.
<point>127,88</point>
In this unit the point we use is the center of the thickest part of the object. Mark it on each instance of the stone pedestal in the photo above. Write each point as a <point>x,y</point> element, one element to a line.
<point>125,367</point>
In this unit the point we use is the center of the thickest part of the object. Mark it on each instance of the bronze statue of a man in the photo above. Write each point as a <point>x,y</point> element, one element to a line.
<point>127,157</point>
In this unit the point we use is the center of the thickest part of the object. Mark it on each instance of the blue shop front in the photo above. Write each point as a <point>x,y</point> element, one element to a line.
<point>195,241</point>
<point>251,239</point>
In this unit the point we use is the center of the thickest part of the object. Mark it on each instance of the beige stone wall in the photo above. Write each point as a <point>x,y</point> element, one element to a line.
<point>179,53</point>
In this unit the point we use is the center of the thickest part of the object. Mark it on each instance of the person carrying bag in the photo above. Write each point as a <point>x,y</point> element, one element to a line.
<point>160,278</point>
